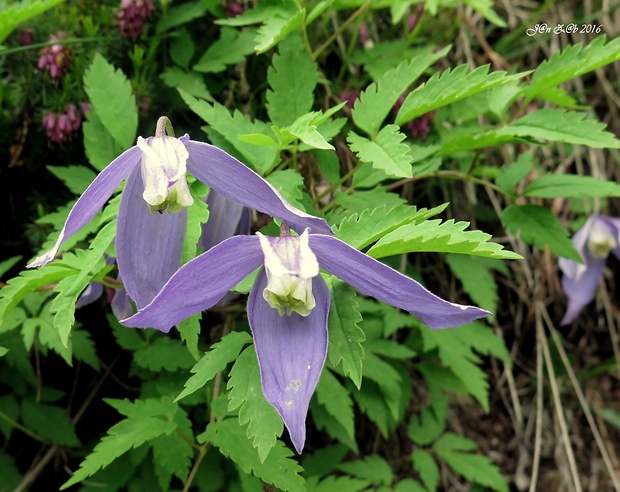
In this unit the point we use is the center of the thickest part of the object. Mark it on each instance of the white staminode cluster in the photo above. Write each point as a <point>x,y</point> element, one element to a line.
<point>163,173</point>
<point>601,239</point>
<point>290,266</point>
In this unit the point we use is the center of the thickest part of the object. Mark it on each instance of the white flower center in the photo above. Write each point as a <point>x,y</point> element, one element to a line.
<point>163,173</point>
<point>601,240</point>
<point>290,266</point>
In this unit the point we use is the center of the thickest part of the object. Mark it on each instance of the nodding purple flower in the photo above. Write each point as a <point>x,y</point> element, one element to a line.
<point>598,237</point>
<point>55,58</point>
<point>152,216</point>
<point>289,304</point>
<point>132,16</point>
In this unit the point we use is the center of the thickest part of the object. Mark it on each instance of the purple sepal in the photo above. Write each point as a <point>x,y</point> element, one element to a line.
<point>237,182</point>
<point>226,219</point>
<point>377,280</point>
<point>91,293</point>
<point>200,283</point>
<point>148,245</point>
<point>291,354</point>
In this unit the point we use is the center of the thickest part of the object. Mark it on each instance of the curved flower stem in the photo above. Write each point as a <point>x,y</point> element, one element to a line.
<point>341,29</point>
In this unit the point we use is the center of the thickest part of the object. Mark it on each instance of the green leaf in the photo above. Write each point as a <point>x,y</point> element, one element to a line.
<point>324,421</point>
<point>289,183</point>
<point>377,100</point>
<point>165,354</point>
<point>173,453</point>
<point>536,225</point>
<point>278,468</point>
<point>387,152</point>
<point>11,477</point>
<point>14,14</point>
<point>371,401</point>
<point>573,61</point>
<point>145,424</point>
<point>214,361</point>
<point>570,186</point>
<point>511,175</point>
<point>49,421</point>
<point>112,99</point>
<point>345,336</point>
<point>76,178</point>
<point>450,86</point>
<point>231,126</point>
<point>180,14</point>
<point>19,287</point>
<point>475,468</point>
<point>276,28</point>
<point>191,82</point>
<point>485,7</point>
<point>387,378</point>
<point>427,468</point>
<point>84,348</point>
<point>6,265</point>
<point>477,279</point>
<point>336,484</point>
<point>292,78</point>
<point>232,48</point>
<point>305,129</point>
<point>559,125</point>
<point>361,230</point>
<point>99,144</point>
<point>246,394</point>
<point>3,351</point>
<point>372,468</point>
<point>446,237</point>
<point>336,400</point>
<point>424,428</point>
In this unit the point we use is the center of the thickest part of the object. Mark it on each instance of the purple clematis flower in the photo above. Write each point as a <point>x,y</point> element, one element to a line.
<point>149,244</point>
<point>598,237</point>
<point>288,306</point>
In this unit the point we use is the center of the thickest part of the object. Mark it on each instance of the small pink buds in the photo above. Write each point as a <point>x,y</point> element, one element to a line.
<point>133,15</point>
<point>56,57</point>
<point>63,127</point>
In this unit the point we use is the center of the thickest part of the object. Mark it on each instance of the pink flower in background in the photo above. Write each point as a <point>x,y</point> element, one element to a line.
<point>233,8</point>
<point>420,127</point>
<point>133,15</point>
<point>350,96</point>
<point>62,127</point>
<point>25,36</point>
<point>55,58</point>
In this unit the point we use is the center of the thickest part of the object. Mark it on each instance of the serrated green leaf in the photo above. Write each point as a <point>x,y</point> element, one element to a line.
<point>387,378</point>
<point>559,125</point>
<point>278,468</point>
<point>276,28</point>
<point>180,14</point>
<point>427,426</point>
<point>427,468</point>
<point>573,61</point>
<point>289,183</point>
<point>7,264</point>
<point>305,129</point>
<point>361,230</point>
<point>263,159</point>
<point>450,86</point>
<point>345,336</point>
<point>111,97</point>
<point>324,460</point>
<point>511,175</point>
<point>127,434</point>
<point>446,237</point>
<point>76,178</point>
<point>538,226</point>
<point>191,82</point>
<point>84,348</point>
<point>476,278</point>
<point>49,421</point>
<point>324,421</point>
<point>165,354</point>
<point>336,400</point>
<point>13,15</point>
<point>475,468</point>
<point>231,48</point>
<point>172,453</point>
<point>570,186</point>
<point>292,78</point>
<point>264,424</point>
<point>372,402</point>
<point>11,477</point>
<point>387,152</point>
<point>485,7</point>
<point>377,100</point>
<point>336,484</point>
<point>19,287</point>
<point>100,146</point>
<point>372,468</point>
<point>359,201</point>
<point>214,361</point>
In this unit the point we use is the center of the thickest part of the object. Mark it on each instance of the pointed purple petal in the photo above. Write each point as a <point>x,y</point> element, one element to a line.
<point>224,218</point>
<point>121,303</point>
<point>93,199</point>
<point>580,290</point>
<point>91,293</point>
<point>291,354</point>
<point>375,279</point>
<point>237,182</point>
<point>148,245</point>
<point>200,283</point>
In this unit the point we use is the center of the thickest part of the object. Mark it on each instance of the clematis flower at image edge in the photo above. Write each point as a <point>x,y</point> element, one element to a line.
<point>289,304</point>
<point>152,216</point>
<point>599,236</point>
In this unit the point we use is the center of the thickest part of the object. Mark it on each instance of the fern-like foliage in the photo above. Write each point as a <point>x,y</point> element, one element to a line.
<point>387,152</point>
